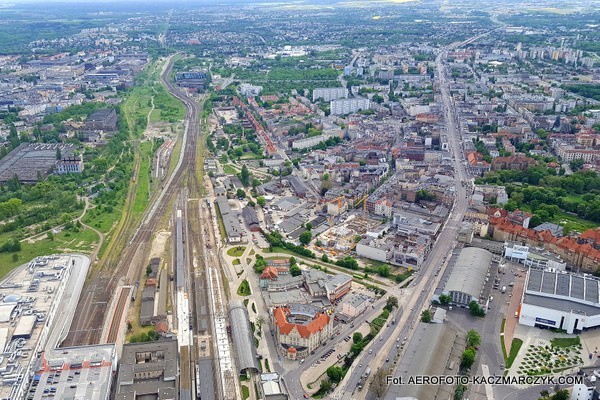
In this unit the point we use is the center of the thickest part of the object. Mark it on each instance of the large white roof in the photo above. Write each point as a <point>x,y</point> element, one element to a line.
<point>469,272</point>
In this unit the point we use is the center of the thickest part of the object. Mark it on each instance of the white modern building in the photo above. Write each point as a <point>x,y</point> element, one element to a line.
<point>348,106</point>
<point>560,300</point>
<point>328,94</point>
<point>355,304</point>
<point>309,142</point>
<point>524,255</point>
<point>375,249</point>
<point>250,90</point>
<point>585,390</point>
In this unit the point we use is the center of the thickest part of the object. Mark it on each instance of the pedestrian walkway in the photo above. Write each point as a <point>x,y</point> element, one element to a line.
<point>489,392</point>
<point>532,336</point>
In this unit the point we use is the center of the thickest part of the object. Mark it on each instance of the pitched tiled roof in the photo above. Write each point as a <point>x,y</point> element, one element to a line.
<point>569,244</point>
<point>318,323</point>
<point>593,234</point>
<point>269,273</point>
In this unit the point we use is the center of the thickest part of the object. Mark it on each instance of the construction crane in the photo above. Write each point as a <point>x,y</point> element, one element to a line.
<point>364,202</point>
<point>338,200</point>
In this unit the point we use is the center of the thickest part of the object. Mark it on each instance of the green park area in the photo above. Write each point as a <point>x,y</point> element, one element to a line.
<point>571,201</point>
<point>116,179</point>
<point>236,251</point>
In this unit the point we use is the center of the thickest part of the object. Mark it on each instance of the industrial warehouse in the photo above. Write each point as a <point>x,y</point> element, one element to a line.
<point>468,276</point>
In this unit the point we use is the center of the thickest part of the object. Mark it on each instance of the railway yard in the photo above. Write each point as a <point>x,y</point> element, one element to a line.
<point>107,303</point>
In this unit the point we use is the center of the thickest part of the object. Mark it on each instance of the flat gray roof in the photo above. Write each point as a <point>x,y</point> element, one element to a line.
<point>157,359</point>
<point>206,388</point>
<point>575,288</point>
<point>560,304</point>
<point>469,272</point>
<point>426,354</point>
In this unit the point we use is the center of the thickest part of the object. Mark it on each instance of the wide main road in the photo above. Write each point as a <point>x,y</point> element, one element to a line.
<point>431,271</point>
<point>92,307</point>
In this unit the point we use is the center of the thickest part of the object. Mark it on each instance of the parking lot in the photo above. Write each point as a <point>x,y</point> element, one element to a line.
<point>333,355</point>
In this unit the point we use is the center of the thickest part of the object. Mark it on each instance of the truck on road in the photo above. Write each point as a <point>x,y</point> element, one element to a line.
<point>503,289</point>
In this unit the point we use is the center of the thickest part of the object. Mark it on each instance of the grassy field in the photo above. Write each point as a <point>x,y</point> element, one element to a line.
<point>166,107</point>
<point>565,342</point>
<point>571,223</point>
<point>244,289</point>
<point>514,350</point>
<point>236,251</point>
<point>136,108</point>
<point>142,194</point>
<point>222,230</point>
<point>245,392</point>
<point>64,242</point>
<point>229,170</point>
<point>138,330</point>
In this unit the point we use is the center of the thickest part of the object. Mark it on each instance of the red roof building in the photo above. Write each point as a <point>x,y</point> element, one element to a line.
<point>301,328</point>
<point>581,252</point>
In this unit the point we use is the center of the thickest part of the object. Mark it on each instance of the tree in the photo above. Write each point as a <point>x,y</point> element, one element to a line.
<point>562,394</point>
<point>445,299</point>
<point>240,193</point>
<point>148,270</point>
<point>335,374</point>
<point>245,176</point>
<point>473,338</point>
<point>426,316</point>
<point>295,270</point>
<point>58,153</point>
<point>391,303</point>
<point>347,262</point>
<point>325,258</point>
<point>356,348</point>
<point>305,237</point>
<point>357,338</point>
<point>50,236</point>
<point>424,195</point>
<point>308,226</point>
<point>379,384</point>
<point>576,164</point>
<point>260,264</point>
<point>468,358</point>
<point>476,309</point>
<point>255,183</point>
<point>383,271</point>
<point>260,200</point>
<point>325,386</point>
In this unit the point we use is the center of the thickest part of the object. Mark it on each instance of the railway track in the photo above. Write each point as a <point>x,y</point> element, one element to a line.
<point>92,308</point>
<point>115,326</point>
